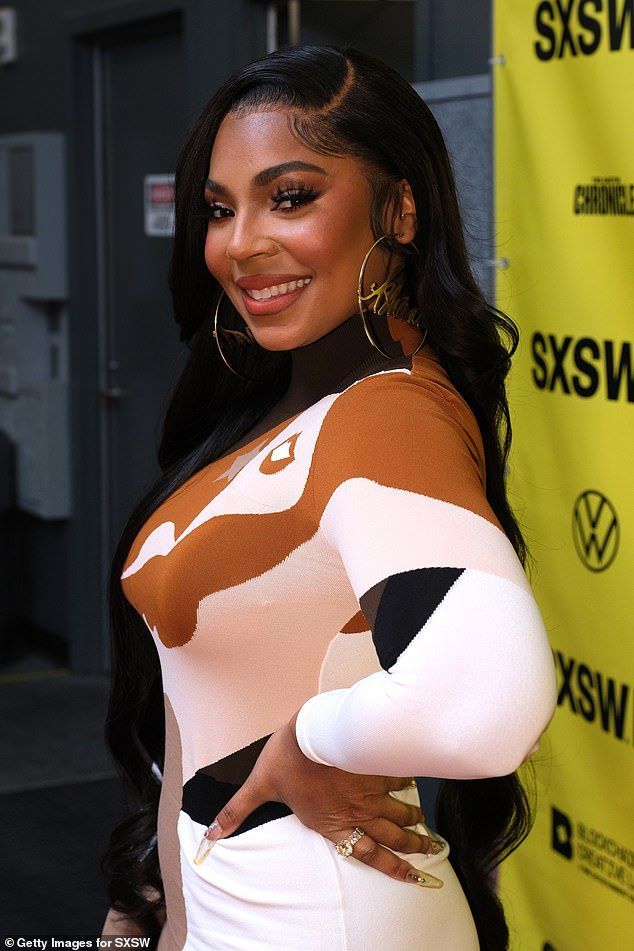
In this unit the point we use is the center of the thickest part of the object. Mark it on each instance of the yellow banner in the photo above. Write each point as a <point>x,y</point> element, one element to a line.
<point>564,229</point>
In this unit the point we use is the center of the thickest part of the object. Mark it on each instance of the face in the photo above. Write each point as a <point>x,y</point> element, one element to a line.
<point>310,223</point>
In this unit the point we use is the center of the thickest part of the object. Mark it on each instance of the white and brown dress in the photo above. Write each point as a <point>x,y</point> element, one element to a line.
<point>251,579</point>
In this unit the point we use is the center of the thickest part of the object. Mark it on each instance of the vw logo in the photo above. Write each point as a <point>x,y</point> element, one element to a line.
<point>595,530</point>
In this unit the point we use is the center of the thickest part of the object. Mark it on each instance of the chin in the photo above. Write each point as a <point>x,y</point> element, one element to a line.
<point>277,337</point>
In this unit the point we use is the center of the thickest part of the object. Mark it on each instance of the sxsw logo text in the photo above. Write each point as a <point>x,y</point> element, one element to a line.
<point>593,696</point>
<point>580,27</point>
<point>583,366</point>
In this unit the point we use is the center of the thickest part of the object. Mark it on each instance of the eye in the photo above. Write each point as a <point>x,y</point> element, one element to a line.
<point>208,209</point>
<point>301,195</point>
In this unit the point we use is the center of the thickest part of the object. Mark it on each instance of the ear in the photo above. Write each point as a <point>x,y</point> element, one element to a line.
<point>406,221</point>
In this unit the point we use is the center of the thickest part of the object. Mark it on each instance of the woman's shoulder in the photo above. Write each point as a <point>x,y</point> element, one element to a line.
<point>408,430</point>
<point>403,410</point>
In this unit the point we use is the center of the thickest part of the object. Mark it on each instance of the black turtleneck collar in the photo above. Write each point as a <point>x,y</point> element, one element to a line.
<point>338,358</point>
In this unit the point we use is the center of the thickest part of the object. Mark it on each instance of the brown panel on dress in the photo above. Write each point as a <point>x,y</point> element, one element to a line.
<point>404,415</point>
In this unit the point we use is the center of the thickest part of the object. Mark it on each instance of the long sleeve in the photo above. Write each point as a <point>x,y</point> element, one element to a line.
<point>467,684</point>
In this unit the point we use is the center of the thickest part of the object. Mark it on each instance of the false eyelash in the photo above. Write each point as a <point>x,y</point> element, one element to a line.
<point>300,192</point>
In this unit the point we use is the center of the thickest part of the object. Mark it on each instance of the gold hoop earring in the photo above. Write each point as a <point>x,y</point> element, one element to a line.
<point>389,302</point>
<point>235,338</point>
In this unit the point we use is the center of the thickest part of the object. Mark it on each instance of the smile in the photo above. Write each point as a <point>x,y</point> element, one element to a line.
<point>270,300</point>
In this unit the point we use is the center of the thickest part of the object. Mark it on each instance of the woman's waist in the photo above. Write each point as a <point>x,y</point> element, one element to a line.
<point>271,829</point>
<point>204,796</point>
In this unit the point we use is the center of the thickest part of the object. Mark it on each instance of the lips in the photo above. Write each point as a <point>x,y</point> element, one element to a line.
<point>272,305</point>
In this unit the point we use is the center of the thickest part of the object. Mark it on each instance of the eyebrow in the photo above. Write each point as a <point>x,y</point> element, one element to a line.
<point>270,174</point>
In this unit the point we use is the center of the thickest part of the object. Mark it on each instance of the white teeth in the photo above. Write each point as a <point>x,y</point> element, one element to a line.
<point>267,292</point>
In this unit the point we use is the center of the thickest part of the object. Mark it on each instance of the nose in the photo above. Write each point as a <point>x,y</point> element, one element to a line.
<point>247,239</point>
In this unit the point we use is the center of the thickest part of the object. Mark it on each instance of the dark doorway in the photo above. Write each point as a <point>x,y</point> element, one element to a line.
<point>141,88</point>
<point>131,123</point>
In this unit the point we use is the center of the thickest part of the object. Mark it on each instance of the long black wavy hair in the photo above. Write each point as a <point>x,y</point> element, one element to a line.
<point>339,101</point>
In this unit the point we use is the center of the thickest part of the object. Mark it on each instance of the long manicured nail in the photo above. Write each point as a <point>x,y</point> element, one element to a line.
<point>425,880</point>
<point>203,851</point>
<point>436,846</point>
<point>209,839</point>
<point>214,831</point>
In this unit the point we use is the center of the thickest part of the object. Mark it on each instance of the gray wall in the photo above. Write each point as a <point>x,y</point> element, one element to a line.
<point>453,39</point>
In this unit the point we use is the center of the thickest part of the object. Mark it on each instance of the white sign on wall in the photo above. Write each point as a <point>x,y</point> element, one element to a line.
<point>158,204</point>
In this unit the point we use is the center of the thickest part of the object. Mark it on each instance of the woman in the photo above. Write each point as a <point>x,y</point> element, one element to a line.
<point>324,593</point>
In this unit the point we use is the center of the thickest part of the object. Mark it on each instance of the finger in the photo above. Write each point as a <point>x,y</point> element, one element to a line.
<point>230,817</point>
<point>403,840</point>
<point>392,783</point>
<point>368,851</point>
<point>400,813</point>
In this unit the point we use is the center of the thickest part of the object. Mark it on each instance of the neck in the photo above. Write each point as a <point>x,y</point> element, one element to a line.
<point>336,359</point>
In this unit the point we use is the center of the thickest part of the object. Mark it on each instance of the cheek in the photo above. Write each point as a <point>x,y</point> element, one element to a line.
<point>214,257</point>
<point>320,249</point>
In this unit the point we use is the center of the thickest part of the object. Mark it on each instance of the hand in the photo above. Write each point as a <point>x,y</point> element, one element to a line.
<point>332,802</point>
